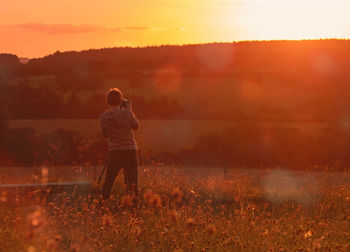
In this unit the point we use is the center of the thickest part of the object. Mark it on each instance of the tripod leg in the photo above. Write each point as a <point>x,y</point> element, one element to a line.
<point>102,172</point>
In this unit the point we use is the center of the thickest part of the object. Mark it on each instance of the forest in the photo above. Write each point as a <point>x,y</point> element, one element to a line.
<point>244,81</point>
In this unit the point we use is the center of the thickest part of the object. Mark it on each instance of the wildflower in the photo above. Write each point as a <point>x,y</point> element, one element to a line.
<point>174,215</point>
<point>51,244</point>
<point>190,222</point>
<point>58,238</point>
<point>3,197</point>
<point>31,249</point>
<point>308,234</point>
<point>136,229</point>
<point>74,248</point>
<point>316,244</point>
<point>44,171</point>
<point>194,193</point>
<point>30,235</point>
<point>251,207</point>
<point>211,229</point>
<point>147,196</point>
<point>107,220</point>
<point>37,192</point>
<point>35,222</point>
<point>156,201</point>
<point>176,195</point>
<point>18,221</point>
<point>44,175</point>
<point>126,201</point>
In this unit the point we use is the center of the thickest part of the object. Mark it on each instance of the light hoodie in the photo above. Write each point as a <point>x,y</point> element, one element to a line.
<point>117,125</point>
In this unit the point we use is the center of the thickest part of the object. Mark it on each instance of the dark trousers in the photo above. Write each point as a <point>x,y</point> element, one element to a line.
<point>118,159</point>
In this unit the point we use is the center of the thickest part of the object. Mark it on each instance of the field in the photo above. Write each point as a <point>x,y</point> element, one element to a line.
<point>155,135</point>
<point>184,209</point>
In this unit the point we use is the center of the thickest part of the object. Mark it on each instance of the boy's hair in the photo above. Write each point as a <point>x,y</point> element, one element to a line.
<point>114,97</point>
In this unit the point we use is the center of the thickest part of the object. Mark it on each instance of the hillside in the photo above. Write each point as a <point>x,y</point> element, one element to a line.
<point>261,80</point>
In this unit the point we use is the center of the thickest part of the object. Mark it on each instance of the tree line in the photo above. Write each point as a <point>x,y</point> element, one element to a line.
<point>248,145</point>
<point>27,102</point>
<point>266,80</point>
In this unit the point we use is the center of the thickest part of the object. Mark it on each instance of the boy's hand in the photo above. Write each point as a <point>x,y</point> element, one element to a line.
<point>128,105</point>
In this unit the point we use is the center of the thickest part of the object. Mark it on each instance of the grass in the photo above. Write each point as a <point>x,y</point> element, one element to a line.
<point>189,209</point>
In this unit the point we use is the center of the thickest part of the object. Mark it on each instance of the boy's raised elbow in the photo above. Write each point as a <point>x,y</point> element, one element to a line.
<point>136,126</point>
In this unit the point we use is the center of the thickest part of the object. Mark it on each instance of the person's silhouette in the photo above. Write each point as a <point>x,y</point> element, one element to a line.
<point>118,123</point>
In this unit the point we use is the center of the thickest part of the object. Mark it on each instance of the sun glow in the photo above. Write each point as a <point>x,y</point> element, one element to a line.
<point>295,19</point>
<point>158,22</point>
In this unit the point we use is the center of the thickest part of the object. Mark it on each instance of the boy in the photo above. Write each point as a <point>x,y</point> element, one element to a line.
<point>117,124</point>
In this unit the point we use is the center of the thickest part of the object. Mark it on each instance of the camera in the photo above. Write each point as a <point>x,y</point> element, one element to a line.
<point>125,103</point>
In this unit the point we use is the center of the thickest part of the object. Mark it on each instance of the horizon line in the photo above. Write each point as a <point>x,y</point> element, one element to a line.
<point>188,44</point>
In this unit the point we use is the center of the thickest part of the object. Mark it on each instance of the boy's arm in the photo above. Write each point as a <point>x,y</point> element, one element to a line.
<point>133,121</point>
<point>103,128</point>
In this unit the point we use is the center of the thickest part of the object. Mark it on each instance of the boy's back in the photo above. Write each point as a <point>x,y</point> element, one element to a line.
<point>118,125</point>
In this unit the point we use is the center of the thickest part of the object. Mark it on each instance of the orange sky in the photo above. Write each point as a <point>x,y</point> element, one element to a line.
<point>34,28</point>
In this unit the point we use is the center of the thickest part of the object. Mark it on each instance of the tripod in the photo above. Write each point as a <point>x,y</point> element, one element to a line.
<point>102,172</point>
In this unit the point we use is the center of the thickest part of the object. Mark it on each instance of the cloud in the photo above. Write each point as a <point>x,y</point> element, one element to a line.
<point>65,28</point>
<point>136,28</point>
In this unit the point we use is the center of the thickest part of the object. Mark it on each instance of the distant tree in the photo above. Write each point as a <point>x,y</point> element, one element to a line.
<point>74,106</point>
<point>4,116</point>
<point>30,102</point>
<point>8,59</point>
<point>9,66</point>
<point>93,81</point>
<point>62,147</point>
<point>78,79</point>
<point>19,146</point>
<point>94,106</point>
<point>3,133</point>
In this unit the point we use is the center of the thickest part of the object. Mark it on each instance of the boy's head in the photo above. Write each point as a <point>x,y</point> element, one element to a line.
<point>114,97</point>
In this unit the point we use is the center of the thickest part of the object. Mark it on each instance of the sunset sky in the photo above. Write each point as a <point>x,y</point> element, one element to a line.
<point>34,28</point>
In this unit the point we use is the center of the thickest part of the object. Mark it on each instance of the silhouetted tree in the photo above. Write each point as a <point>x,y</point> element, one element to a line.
<point>4,116</point>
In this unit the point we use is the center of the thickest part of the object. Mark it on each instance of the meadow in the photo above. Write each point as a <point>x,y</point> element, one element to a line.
<point>183,209</point>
